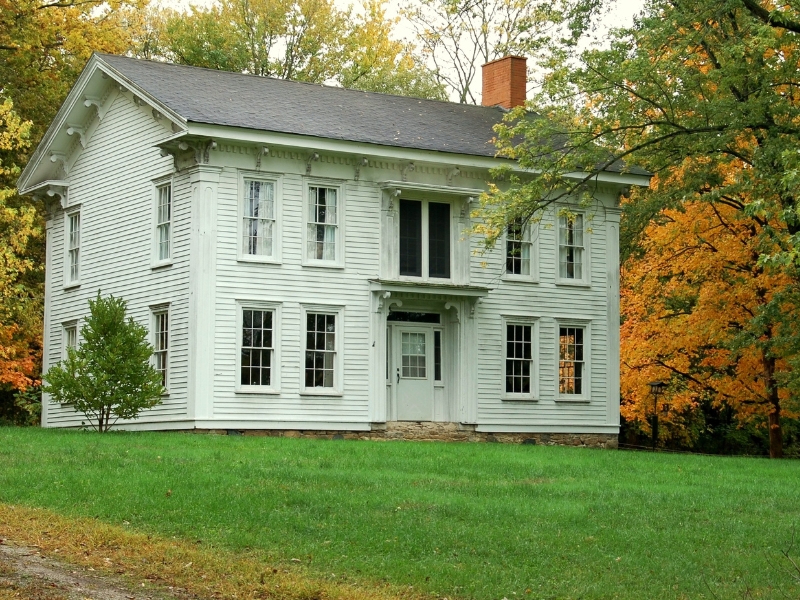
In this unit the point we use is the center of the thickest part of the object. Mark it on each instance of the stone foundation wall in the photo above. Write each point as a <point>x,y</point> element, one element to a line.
<point>433,432</point>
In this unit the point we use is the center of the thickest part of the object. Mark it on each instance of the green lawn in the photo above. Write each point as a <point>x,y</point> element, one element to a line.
<point>463,520</point>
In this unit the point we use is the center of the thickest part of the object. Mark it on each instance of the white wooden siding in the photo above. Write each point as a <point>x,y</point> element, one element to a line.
<point>112,182</point>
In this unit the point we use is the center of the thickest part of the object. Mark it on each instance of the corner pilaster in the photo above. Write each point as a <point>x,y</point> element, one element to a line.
<point>612,316</point>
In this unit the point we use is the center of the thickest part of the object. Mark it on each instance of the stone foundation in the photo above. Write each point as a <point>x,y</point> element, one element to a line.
<point>433,432</point>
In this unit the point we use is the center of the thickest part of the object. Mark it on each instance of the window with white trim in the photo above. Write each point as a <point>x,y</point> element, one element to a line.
<point>69,337</point>
<point>161,344</point>
<point>571,248</point>
<point>321,350</point>
<point>425,244</point>
<point>257,348</point>
<point>519,358</point>
<point>518,250</point>
<point>73,239</point>
<point>571,360</point>
<point>322,235</point>
<point>259,227</point>
<point>164,222</point>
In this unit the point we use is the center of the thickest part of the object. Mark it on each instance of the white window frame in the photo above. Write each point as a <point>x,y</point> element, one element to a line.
<point>533,242</point>
<point>426,241</point>
<point>69,282</point>
<point>275,366</point>
<point>277,183</point>
<point>155,310</point>
<point>338,368</point>
<point>65,327</point>
<point>586,392</point>
<point>339,260</point>
<point>533,323</point>
<point>585,279</point>
<point>158,185</point>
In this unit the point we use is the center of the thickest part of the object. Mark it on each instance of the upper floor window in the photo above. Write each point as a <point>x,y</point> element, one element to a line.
<point>161,344</point>
<point>322,237</point>
<point>259,219</point>
<point>518,250</point>
<point>163,222</point>
<point>571,249</point>
<point>73,247</point>
<point>425,240</point>
<point>571,360</point>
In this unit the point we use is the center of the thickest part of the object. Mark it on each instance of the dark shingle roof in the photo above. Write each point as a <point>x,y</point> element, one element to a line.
<point>268,104</point>
<point>224,98</point>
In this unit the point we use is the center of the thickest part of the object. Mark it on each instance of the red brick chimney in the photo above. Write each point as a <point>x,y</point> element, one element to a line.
<point>505,81</point>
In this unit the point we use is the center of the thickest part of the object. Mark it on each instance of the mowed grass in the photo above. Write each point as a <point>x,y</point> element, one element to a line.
<point>483,521</point>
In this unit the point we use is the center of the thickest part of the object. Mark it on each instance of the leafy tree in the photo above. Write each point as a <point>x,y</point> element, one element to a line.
<point>110,375</point>
<point>303,40</point>
<point>707,96</point>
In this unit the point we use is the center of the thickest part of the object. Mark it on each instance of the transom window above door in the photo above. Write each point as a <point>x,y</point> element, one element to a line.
<point>425,239</point>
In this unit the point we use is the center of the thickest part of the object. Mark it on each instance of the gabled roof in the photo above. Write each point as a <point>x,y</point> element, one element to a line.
<point>267,104</point>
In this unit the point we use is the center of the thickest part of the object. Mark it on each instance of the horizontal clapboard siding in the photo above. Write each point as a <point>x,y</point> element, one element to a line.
<point>112,181</point>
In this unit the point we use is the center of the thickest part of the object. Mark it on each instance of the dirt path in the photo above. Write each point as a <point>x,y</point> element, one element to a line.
<point>25,573</point>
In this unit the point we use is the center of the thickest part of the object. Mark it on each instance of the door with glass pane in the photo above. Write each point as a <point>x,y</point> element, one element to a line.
<point>414,372</point>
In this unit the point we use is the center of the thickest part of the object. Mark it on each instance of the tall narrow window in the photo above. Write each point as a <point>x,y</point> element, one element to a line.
<point>571,360</point>
<point>320,350</point>
<point>161,343</point>
<point>570,247</point>
<point>411,238</point>
<point>164,221</point>
<point>74,246</point>
<point>322,223</point>
<point>437,355</point>
<point>439,240</point>
<point>70,338</point>
<point>519,358</point>
<point>518,250</point>
<point>259,218</point>
<point>257,347</point>
<point>425,239</point>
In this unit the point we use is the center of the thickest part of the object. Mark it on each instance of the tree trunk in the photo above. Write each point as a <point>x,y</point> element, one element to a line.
<point>775,433</point>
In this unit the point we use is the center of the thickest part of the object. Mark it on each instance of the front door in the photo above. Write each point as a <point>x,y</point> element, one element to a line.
<point>414,372</point>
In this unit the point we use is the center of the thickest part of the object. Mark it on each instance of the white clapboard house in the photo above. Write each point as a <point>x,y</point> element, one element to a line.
<point>297,252</point>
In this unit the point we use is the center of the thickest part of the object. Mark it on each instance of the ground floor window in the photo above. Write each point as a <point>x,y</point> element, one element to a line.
<point>519,358</point>
<point>161,343</point>
<point>571,360</point>
<point>257,347</point>
<point>320,369</point>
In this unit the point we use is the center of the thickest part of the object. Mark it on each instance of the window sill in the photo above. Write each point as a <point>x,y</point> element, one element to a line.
<point>161,264</point>
<point>258,260</point>
<point>571,400</point>
<point>329,392</point>
<point>520,398</point>
<point>257,391</point>
<point>579,283</point>
<point>321,264</point>
<point>519,278</point>
<point>72,285</point>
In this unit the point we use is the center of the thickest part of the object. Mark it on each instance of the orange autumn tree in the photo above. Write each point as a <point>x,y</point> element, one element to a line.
<point>699,313</point>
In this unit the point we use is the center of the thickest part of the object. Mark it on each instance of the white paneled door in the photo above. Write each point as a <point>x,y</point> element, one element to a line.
<point>414,372</point>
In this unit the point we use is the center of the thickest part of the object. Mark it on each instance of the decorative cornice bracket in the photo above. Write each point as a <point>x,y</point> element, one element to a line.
<point>314,156</point>
<point>466,206</point>
<point>451,174</point>
<point>360,162</point>
<point>81,131</point>
<point>262,152</point>
<point>62,158</point>
<point>405,170</point>
<point>89,101</point>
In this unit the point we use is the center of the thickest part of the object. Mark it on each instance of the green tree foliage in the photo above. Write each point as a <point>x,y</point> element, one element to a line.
<point>110,375</point>
<point>706,95</point>
<point>303,40</point>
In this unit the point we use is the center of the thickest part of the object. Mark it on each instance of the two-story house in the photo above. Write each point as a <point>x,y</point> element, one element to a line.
<point>299,254</point>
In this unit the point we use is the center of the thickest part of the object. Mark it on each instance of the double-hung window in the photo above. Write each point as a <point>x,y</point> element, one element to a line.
<point>323,235</point>
<point>73,244</point>
<point>571,360</point>
<point>571,249</point>
<point>259,219</point>
<point>321,352</point>
<point>161,343</point>
<point>425,239</point>
<point>520,358</point>
<point>69,338</point>
<point>163,222</point>
<point>518,250</point>
<point>257,348</point>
